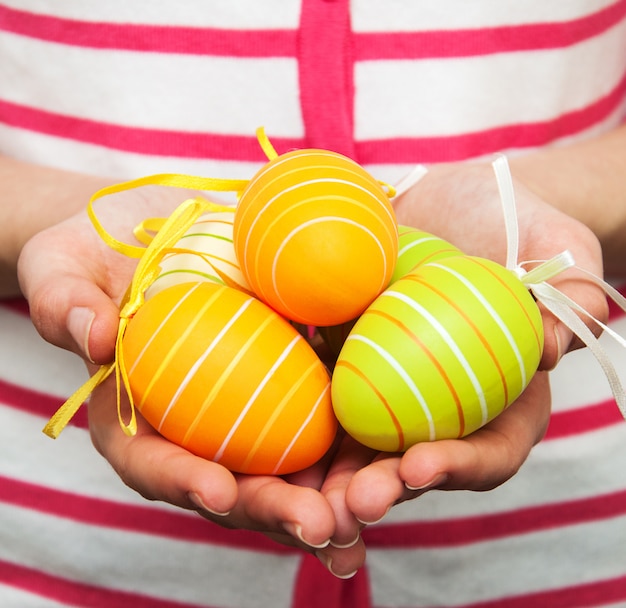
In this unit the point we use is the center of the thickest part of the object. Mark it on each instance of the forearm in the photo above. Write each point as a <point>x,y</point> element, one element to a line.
<point>32,198</point>
<point>586,180</point>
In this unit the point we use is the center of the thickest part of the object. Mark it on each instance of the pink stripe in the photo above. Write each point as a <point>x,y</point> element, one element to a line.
<point>615,311</point>
<point>598,593</point>
<point>326,84</point>
<point>156,142</point>
<point>18,305</point>
<point>483,41</point>
<point>74,593</point>
<point>36,403</point>
<point>584,420</point>
<point>523,135</point>
<point>150,38</point>
<point>480,528</point>
<point>246,148</point>
<point>315,589</point>
<point>183,526</point>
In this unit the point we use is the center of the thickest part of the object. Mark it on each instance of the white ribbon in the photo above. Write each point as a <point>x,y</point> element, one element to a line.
<point>536,279</point>
<point>560,305</point>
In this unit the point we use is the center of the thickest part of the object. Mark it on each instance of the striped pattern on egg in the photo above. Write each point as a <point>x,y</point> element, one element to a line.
<point>439,354</point>
<point>417,247</point>
<point>316,237</point>
<point>217,372</point>
<point>211,236</point>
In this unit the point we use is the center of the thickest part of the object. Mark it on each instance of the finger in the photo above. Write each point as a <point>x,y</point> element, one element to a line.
<point>343,563</point>
<point>489,456</point>
<point>271,505</point>
<point>67,305</point>
<point>376,488</point>
<point>559,338</point>
<point>156,468</point>
<point>349,460</point>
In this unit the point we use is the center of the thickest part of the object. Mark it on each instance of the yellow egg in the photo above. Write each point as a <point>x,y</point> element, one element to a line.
<point>316,237</point>
<point>217,372</point>
<point>440,353</point>
<point>211,236</point>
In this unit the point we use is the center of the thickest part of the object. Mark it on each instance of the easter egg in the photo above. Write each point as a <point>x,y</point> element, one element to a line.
<point>217,372</point>
<point>416,247</point>
<point>211,236</point>
<point>316,237</point>
<point>439,354</point>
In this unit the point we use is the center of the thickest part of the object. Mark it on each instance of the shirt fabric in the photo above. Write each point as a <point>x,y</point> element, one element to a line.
<point>127,89</point>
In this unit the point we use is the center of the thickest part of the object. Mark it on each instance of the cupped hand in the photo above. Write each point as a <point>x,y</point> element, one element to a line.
<point>74,283</point>
<point>479,462</point>
<point>461,203</point>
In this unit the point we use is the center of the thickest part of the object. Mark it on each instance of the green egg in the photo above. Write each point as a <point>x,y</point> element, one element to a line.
<point>437,355</point>
<point>416,247</point>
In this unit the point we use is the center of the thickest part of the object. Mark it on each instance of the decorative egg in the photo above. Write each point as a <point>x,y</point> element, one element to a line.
<point>211,237</point>
<point>439,354</point>
<point>316,237</point>
<point>217,372</point>
<point>416,247</point>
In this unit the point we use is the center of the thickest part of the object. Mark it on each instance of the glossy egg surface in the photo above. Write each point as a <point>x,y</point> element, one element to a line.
<point>212,237</point>
<point>217,372</point>
<point>316,237</point>
<point>417,247</point>
<point>440,353</point>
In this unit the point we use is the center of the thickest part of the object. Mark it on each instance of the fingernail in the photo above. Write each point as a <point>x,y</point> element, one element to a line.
<point>196,499</point>
<point>79,321</point>
<point>296,530</point>
<point>371,523</point>
<point>327,560</point>
<point>347,545</point>
<point>435,482</point>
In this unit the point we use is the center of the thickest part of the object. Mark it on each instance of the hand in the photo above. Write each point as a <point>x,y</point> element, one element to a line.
<point>481,461</point>
<point>460,203</point>
<point>74,283</point>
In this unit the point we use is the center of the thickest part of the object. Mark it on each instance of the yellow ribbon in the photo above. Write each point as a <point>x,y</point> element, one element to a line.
<point>158,237</point>
<point>168,232</point>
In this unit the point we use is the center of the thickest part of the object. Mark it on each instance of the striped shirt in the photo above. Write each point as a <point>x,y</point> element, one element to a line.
<point>126,89</point>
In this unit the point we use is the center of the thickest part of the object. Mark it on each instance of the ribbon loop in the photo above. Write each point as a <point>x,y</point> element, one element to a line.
<point>559,304</point>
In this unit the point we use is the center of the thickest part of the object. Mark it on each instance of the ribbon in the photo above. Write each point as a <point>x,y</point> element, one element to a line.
<point>159,235</point>
<point>555,301</point>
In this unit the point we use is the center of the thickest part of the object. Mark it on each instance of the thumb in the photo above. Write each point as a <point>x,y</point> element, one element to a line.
<point>73,313</point>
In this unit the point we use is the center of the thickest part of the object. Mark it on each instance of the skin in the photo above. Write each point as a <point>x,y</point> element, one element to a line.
<point>64,268</point>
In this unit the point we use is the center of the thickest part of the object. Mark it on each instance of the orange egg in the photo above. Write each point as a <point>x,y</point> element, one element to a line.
<point>217,372</point>
<point>316,237</point>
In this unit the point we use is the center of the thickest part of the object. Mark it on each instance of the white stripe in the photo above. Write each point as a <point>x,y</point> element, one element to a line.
<point>319,220</point>
<point>449,340</point>
<point>406,377</point>
<point>301,429</point>
<point>146,80</point>
<point>569,79</point>
<point>515,565</point>
<point>301,184</point>
<point>160,327</point>
<point>200,361</point>
<point>408,15</point>
<point>494,315</point>
<point>252,399</point>
<point>412,244</point>
<point>243,14</point>
<point>145,563</point>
